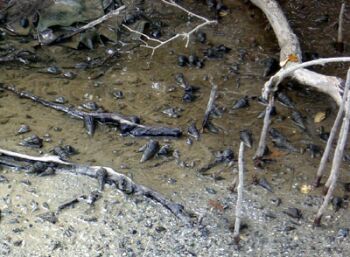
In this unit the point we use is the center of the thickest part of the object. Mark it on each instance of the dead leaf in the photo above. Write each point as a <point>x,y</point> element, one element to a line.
<point>320,116</point>
<point>216,205</point>
<point>305,189</point>
<point>276,154</point>
<point>290,58</point>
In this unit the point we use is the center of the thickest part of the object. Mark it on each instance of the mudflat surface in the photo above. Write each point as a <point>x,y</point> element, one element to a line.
<point>128,225</point>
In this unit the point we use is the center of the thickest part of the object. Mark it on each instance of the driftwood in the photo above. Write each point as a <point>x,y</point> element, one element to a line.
<point>122,182</point>
<point>127,125</point>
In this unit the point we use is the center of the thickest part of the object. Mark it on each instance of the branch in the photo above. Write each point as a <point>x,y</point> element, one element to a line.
<point>91,24</point>
<point>289,45</point>
<point>275,80</point>
<point>340,43</point>
<point>332,135</point>
<point>262,141</point>
<point>122,182</point>
<point>127,125</point>
<point>337,159</point>
<point>184,35</point>
<point>239,193</point>
<point>210,104</point>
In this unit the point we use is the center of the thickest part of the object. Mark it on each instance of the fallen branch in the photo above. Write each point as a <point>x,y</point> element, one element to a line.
<point>337,159</point>
<point>127,125</point>
<point>236,237</point>
<point>210,104</point>
<point>184,35</point>
<point>90,24</point>
<point>122,182</point>
<point>289,45</point>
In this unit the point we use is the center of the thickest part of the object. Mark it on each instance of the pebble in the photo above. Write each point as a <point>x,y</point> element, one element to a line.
<point>293,212</point>
<point>343,232</point>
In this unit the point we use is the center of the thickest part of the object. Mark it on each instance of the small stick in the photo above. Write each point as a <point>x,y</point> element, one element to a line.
<point>334,130</point>
<point>340,42</point>
<point>210,104</point>
<point>337,159</point>
<point>262,141</point>
<point>236,237</point>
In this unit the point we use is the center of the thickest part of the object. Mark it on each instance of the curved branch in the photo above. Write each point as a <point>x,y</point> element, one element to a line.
<point>289,45</point>
<point>122,182</point>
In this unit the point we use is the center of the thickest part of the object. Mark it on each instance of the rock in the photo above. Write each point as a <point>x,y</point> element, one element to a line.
<point>293,212</point>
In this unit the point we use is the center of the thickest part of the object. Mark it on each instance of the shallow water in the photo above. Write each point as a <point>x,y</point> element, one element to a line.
<point>119,225</point>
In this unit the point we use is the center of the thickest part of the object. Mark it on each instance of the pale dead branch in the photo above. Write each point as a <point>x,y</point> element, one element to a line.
<point>122,182</point>
<point>337,159</point>
<point>262,141</point>
<point>210,105</point>
<point>236,237</point>
<point>332,135</point>
<point>184,35</point>
<point>93,23</point>
<point>340,43</point>
<point>289,45</point>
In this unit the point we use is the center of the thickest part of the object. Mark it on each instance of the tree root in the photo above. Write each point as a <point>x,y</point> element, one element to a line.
<point>122,182</point>
<point>127,125</point>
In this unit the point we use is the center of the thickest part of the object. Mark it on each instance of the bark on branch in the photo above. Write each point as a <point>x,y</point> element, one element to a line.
<point>122,182</point>
<point>289,45</point>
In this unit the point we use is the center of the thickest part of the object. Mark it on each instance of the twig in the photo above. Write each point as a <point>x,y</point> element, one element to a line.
<point>184,35</point>
<point>337,159</point>
<point>123,183</point>
<point>262,141</point>
<point>91,24</point>
<point>210,104</point>
<point>236,237</point>
<point>332,135</point>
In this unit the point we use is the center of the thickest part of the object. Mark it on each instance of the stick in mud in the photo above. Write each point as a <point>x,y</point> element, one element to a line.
<point>122,182</point>
<point>210,104</point>
<point>339,45</point>
<point>236,237</point>
<point>337,158</point>
<point>127,125</point>
<point>262,141</point>
<point>332,135</point>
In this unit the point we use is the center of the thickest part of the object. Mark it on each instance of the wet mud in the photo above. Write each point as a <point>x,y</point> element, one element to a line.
<point>278,208</point>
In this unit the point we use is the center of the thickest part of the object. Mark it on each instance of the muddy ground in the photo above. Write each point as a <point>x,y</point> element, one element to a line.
<point>127,225</point>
